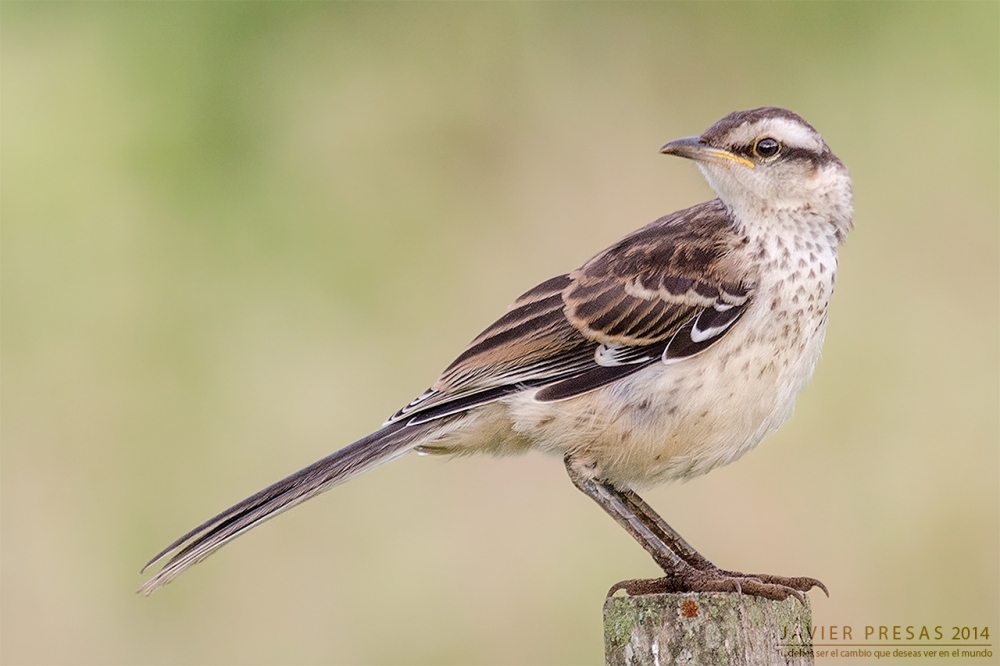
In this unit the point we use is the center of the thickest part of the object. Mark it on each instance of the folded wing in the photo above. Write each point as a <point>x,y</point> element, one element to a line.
<point>662,294</point>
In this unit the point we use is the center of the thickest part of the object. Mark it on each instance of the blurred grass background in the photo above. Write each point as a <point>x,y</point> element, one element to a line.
<point>236,236</point>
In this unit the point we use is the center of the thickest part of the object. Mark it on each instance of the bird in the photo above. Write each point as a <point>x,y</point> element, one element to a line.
<point>672,352</point>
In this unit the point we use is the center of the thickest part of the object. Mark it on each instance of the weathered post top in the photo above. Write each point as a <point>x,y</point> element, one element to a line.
<point>706,629</point>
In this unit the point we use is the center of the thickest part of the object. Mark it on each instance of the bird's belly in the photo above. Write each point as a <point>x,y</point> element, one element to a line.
<point>680,420</point>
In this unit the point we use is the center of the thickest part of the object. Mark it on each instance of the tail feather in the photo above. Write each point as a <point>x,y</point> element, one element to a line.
<point>368,452</point>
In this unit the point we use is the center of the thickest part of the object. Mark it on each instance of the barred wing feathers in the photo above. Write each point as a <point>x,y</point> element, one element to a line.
<point>665,292</point>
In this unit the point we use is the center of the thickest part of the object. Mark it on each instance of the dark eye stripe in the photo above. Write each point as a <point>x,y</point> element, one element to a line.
<point>792,153</point>
<point>789,153</point>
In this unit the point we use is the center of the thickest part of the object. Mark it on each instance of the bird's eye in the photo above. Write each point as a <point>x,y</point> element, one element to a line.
<point>766,147</point>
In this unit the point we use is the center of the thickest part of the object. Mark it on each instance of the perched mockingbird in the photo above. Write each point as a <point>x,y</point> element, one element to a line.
<point>672,352</point>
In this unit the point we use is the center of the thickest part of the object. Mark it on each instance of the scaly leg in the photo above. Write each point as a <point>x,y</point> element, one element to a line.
<point>677,543</point>
<point>686,569</point>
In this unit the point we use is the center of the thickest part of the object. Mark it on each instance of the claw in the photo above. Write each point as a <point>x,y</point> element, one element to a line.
<point>769,587</point>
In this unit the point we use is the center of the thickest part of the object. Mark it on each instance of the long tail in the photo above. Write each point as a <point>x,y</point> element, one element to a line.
<point>380,447</point>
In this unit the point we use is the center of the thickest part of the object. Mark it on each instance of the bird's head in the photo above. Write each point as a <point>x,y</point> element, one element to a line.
<point>767,160</point>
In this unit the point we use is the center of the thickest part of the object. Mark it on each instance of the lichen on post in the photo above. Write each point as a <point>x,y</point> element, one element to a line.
<point>706,629</point>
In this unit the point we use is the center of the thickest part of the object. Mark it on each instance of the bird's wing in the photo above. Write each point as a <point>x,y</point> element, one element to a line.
<point>665,292</point>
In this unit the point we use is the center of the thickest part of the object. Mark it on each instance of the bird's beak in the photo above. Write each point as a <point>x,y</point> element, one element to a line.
<point>692,148</point>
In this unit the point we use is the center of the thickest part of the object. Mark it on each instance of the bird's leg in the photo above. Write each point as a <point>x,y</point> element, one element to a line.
<point>676,542</point>
<point>665,532</point>
<point>686,570</point>
<point>611,500</point>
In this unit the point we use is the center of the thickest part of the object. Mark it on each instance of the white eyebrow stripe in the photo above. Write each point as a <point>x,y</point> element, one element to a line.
<point>795,134</point>
<point>785,130</point>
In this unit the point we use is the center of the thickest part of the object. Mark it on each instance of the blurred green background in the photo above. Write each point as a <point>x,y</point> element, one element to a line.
<point>237,236</point>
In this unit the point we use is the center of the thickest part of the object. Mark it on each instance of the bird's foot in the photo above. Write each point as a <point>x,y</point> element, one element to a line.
<point>800,583</point>
<point>777,588</point>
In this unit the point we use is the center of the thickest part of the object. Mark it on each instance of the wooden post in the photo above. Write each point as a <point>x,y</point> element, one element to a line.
<point>706,629</point>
